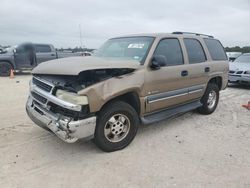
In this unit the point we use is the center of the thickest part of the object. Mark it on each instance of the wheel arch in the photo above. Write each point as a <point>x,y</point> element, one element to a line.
<point>5,68</point>
<point>130,97</point>
<point>216,80</point>
<point>10,62</point>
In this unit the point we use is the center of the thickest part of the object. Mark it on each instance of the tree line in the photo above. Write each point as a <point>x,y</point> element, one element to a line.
<point>245,49</point>
<point>76,49</point>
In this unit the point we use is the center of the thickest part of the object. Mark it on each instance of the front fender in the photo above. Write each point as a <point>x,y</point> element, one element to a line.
<point>9,59</point>
<point>100,93</point>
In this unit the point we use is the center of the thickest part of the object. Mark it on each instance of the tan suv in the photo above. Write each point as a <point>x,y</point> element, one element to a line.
<point>129,80</point>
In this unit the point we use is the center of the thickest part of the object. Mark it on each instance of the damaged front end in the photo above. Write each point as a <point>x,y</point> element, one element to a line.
<point>54,102</point>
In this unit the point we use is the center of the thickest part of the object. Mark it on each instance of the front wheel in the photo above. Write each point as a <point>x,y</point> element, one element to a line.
<point>5,68</point>
<point>117,124</point>
<point>209,100</point>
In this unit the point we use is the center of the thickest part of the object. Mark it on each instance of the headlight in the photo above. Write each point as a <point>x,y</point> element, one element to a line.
<point>71,97</point>
<point>247,72</point>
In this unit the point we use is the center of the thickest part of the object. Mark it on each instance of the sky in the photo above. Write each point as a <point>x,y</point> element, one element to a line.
<point>58,22</point>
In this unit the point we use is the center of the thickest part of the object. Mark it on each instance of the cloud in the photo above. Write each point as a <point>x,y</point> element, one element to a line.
<point>57,22</point>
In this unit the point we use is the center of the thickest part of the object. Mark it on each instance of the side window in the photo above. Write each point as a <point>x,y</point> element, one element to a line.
<point>215,49</point>
<point>171,49</point>
<point>21,49</point>
<point>42,48</point>
<point>195,51</point>
<point>24,48</point>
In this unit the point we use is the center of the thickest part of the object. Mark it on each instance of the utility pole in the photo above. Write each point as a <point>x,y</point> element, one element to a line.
<point>80,29</point>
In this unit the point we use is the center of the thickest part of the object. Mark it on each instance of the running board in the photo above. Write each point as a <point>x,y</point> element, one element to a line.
<point>165,114</point>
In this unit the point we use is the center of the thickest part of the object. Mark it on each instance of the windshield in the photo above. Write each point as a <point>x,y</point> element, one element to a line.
<point>245,58</point>
<point>135,48</point>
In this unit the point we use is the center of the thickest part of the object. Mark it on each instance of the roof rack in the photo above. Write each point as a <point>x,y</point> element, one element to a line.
<point>198,34</point>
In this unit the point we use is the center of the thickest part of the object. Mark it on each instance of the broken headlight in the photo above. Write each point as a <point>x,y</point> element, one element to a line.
<point>71,97</point>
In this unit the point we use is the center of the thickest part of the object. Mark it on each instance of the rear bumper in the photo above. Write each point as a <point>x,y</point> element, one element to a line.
<point>65,128</point>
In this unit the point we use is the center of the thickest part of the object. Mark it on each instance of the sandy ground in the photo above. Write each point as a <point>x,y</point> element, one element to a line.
<point>189,151</point>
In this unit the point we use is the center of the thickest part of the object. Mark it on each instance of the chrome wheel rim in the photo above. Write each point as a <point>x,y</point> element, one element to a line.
<point>212,97</point>
<point>117,128</point>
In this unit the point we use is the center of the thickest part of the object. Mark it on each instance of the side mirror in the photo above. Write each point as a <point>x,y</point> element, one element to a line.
<point>158,61</point>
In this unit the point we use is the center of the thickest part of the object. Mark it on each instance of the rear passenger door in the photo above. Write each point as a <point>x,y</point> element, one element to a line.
<point>198,69</point>
<point>44,53</point>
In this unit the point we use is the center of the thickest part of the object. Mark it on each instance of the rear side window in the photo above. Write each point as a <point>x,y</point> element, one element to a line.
<point>215,49</point>
<point>195,51</point>
<point>42,48</point>
<point>171,49</point>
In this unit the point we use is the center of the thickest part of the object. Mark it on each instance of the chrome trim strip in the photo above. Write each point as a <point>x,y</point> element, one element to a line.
<point>170,97</point>
<point>195,91</point>
<point>54,99</point>
<point>174,93</point>
<point>167,94</point>
<point>196,87</point>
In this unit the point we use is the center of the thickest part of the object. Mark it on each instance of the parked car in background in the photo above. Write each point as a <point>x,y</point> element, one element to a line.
<point>239,70</point>
<point>25,56</point>
<point>28,55</point>
<point>86,53</point>
<point>233,55</point>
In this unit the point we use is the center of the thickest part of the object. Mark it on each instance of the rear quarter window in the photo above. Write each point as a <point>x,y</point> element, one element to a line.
<point>215,49</point>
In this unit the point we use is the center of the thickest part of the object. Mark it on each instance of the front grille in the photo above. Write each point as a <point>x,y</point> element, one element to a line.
<point>239,72</point>
<point>41,85</point>
<point>39,98</point>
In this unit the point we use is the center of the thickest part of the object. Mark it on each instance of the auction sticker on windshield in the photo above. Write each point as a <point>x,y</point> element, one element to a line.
<point>135,45</point>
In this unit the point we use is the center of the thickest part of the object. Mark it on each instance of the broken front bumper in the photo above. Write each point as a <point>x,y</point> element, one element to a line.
<point>65,128</point>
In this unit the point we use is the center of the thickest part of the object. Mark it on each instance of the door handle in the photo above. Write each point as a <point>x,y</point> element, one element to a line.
<point>184,73</point>
<point>207,69</point>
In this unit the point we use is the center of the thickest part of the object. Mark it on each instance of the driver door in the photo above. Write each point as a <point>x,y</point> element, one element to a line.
<point>167,86</point>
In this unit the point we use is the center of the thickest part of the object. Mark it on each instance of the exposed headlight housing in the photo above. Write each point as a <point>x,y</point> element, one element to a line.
<point>72,97</point>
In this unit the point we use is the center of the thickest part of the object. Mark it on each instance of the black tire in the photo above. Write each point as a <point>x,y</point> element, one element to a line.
<point>109,111</point>
<point>5,68</point>
<point>208,108</point>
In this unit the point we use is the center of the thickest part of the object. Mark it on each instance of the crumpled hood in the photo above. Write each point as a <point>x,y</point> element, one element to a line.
<point>75,65</point>
<point>235,66</point>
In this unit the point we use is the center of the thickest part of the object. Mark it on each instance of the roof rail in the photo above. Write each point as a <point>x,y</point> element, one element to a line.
<point>198,34</point>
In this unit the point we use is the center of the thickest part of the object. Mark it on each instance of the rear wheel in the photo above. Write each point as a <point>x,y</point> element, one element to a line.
<point>209,100</point>
<point>116,127</point>
<point>5,68</point>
